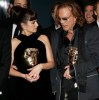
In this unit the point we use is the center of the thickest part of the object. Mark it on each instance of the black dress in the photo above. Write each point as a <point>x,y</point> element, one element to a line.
<point>24,90</point>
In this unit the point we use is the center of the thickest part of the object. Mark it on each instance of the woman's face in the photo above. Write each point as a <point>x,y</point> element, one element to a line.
<point>31,26</point>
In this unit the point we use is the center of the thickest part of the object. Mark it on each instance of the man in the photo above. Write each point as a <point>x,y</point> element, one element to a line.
<point>5,59</point>
<point>12,27</point>
<point>90,17</point>
<point>89,13</point>
<point>77,55</point>
<point>21,3</point>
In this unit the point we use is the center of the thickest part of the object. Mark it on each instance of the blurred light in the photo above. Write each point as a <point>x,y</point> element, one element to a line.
<point>4,4</point>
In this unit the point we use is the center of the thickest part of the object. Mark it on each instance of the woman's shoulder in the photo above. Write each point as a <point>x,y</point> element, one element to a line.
<point>43,38</point>
<point>15,42</point>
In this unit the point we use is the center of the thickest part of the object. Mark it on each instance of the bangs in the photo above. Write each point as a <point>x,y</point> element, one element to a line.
<point>33,17</point>
<point>27,15</point>
<point>30,16</point>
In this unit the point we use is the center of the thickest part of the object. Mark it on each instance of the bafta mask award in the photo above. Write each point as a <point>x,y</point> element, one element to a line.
<point>30,56</point>
<point>72,58</point>
<point>73,55</point>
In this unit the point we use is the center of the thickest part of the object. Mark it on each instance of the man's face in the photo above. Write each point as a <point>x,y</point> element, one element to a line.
<point>21,3</point>
<point>66,18</point>
<point>89,12</point>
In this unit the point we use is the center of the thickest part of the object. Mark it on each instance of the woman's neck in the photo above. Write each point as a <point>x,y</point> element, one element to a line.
<point>26,33</point>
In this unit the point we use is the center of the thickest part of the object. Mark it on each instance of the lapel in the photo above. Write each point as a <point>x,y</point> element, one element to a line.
<point>16,32</point>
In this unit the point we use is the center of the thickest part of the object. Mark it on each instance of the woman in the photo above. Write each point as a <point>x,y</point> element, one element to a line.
<point>32,56</point>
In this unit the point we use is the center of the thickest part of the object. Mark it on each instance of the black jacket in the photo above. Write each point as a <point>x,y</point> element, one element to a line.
<point>5,55</point>
<point>87,42</point>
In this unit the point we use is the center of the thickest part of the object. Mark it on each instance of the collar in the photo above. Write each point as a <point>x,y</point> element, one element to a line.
<point>74,29</point>
<point>98,23</point>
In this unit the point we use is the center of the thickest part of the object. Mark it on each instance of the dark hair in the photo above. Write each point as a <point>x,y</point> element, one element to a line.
<point>27,15</point>
<point>12,1</point>
<point>90,3</point>
<point>14,13</point>
<point>75,9</point>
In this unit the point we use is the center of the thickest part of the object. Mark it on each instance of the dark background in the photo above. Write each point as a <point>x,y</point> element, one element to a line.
<point>43,9</point>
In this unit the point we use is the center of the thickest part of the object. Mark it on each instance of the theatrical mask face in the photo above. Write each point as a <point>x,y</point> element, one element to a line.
<point>73,55</point>
<point>21,3</point>
<point>66,18</point>
<point>30,56</point>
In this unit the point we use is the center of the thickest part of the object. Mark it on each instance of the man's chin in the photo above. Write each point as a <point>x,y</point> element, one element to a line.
<point>65,29</point>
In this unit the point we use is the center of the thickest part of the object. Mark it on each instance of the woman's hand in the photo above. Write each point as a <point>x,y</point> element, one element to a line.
<point>35,72</point>
<point>27,77</point>
<point>67,72</point>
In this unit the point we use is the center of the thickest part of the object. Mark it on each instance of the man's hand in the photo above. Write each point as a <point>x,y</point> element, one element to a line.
<point>67,72</point>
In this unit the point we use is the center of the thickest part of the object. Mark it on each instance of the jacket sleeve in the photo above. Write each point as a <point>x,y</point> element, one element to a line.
<point>92,48</point>
<point>5,57</point>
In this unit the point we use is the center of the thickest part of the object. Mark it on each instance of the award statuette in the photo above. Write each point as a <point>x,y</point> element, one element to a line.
<point>30,56</point>
<point>73,56</point>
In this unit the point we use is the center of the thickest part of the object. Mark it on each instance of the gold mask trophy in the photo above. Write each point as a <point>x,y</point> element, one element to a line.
<point>72,58</point>
<point>30,56</point>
